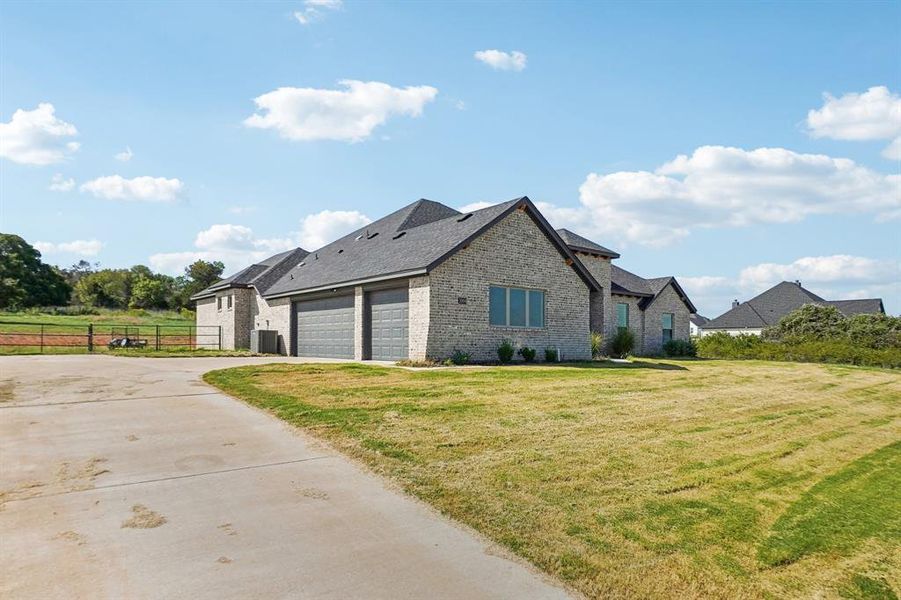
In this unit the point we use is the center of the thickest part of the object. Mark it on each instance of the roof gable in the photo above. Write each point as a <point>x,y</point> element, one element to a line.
<point>577,243</point>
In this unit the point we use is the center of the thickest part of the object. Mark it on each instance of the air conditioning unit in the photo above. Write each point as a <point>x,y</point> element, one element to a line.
<point>264,341</point>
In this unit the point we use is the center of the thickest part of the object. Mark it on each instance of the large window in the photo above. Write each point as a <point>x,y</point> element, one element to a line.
<point>515,307</point>
<point>666,320</point>
<point>622,315</point>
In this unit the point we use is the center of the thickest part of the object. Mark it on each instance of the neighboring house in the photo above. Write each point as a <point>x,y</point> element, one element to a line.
<point>695,324</point>
<point>428,280</point>
<point>768,308</point>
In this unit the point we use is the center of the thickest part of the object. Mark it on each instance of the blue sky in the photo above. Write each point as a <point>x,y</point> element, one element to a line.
<point>590,123</point>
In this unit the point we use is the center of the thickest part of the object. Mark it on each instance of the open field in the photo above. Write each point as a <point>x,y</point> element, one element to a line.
<point>672,479</point>
<point>29,333</point>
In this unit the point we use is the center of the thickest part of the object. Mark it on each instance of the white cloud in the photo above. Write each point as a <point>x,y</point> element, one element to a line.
<point>502,61</point>
<point>79,247</point>
<point>314,10</point>
<point>719,186</point>
<point>475,206</point>
<point>351,114</point>
<point>150,189</point>
<point>37,137</point>
<point>60,184</point>
<point>125,155</point>
<point>872,115</point>
<point>234,245</point>
<point>319,229</point>
<point>835,277</point>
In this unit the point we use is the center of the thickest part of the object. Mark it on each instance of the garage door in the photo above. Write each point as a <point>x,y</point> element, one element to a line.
<point>389,316</point>
<point>325,328</point>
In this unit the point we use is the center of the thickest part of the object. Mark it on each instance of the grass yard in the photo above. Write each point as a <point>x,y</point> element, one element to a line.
<point>106,317</point>
<point>721,479</point>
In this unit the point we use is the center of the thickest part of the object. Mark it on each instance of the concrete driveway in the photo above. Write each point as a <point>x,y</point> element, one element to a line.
<point>130,478</point>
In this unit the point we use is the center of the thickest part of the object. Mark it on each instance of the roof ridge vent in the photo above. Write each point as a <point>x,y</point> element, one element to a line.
<point>399,235</point>
<point>370,236</point>
<point>464,217</point>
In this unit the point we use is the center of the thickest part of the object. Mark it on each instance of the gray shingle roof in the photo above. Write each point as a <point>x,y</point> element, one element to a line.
<point>697,320</point>
<point>580,244</point>
<point>627,283</point>
<point>864,306</point>
<point>260,275</point>
<point>414,239</point>
<point>769,307</point>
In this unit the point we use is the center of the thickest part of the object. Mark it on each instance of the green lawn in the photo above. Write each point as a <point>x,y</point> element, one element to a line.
<point>21,332</point>
<point>668,479</point>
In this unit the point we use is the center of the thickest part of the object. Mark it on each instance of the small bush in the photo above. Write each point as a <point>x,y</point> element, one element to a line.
<point>459,358</point>
<point>527,354</point>
<point>596,338</point>
<point>505,351</point>
<point>186,313</point>
<point>680,348</point>
<point>551,355</point>
<point>623,343</point>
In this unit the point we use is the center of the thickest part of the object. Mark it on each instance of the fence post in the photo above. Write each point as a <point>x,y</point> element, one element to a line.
<point>157,338</point>
<point>220,338</point>
<point>90,337</point>
<point>42,338</point>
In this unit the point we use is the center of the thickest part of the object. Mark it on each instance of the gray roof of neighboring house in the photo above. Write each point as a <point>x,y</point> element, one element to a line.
<point>626,283</point>
<point>414,239</point>
<point>863,306</point>
<point>697,320</point>
<point>769,307</point>
<point>259,275</point>
<point>578,243</point>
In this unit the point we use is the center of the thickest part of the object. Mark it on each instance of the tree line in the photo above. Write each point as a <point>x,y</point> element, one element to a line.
<point>26,281</point>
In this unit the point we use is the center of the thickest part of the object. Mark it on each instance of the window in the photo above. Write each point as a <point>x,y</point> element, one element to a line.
<point>515,307</point>
<point>622,315</point>
<point>666,320</point>
<point>229,302</point>
<point>219,303</point>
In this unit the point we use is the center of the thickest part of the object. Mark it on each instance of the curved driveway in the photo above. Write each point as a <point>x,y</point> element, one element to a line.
<point>130,478</point>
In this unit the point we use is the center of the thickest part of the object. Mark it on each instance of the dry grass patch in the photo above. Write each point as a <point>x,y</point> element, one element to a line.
<point>651,480</point>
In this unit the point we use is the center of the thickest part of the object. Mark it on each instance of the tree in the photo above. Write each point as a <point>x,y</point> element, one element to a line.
<point>200,275</point>
<point>150,292</point>
<point>109,288</point>
<point>25,280</point>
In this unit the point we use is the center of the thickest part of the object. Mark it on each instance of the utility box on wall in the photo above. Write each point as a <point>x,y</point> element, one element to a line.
<point>264,341</point>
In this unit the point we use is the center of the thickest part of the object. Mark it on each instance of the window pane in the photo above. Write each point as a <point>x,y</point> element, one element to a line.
<point>517,308</point>
<point>667,320</point>
<point>536,308</point>
<point>667,335</point>
<point>497,306</point>
<point>622,315</point>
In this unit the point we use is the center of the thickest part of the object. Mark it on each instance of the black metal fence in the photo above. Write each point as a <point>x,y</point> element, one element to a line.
<point>24,337</point>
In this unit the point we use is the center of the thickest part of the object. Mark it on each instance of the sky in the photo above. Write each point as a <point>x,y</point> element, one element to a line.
<point>732,145</point>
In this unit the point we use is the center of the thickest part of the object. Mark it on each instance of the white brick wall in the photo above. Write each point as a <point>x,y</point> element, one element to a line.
<point>273,314</point>
<point>419,317</point>
<point>512,253</point>
<point>667,301</point>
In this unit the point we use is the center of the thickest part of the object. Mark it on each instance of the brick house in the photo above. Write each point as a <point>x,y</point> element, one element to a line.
<point>427,280</point>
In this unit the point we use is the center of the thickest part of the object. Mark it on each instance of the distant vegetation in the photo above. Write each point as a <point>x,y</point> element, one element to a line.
<point>26,282</point>
<point>816,333</point>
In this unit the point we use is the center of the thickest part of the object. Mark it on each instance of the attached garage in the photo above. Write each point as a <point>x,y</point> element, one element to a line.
<point>389,324</point>
<point>325,327</point>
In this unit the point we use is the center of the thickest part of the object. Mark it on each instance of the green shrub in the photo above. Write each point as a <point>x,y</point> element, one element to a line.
<point>596,338</point>
<point>551,355</point>
<point>186,313</point>
<point>874,331</point>
<point>505,351</point>
<point>419,364</point>
<point>527,354</point>
<point>810,322</point>
<point>459,358</point>
<point>680,348</point>
<point>723,345</point>
<point>623,343</point>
